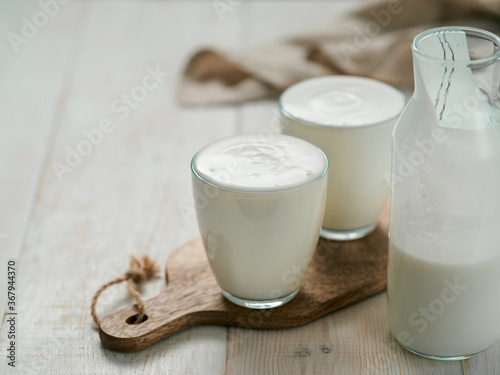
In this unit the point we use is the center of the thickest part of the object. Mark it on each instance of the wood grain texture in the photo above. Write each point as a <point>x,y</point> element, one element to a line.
<point>354,340</point>
<point>124,196</point>
<point>29,118</point>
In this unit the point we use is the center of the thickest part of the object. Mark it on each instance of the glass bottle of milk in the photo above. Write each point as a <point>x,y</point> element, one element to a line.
<point>444,251</point>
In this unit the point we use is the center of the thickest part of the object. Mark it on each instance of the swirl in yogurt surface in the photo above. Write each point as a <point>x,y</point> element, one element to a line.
<point>256,163</point>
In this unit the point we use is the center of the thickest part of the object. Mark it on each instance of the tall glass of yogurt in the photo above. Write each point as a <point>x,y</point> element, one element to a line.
<point>351,119</point>
<point>259,205</point>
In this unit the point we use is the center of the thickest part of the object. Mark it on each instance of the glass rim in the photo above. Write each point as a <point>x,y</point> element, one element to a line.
<point>468,30</point>
<point>288,115</point>
<point>259,191</point>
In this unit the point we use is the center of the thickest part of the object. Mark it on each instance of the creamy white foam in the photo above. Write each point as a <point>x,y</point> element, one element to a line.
<point>249,162</point>
<point>342,101</point>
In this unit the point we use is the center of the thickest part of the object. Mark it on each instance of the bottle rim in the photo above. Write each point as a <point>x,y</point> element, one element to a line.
<point>473,31</point>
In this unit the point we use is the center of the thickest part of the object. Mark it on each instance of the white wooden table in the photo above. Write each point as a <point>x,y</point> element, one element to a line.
<point>71,233</point>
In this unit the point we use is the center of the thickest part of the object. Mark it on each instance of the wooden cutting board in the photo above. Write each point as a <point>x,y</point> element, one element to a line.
<point>341,273</point>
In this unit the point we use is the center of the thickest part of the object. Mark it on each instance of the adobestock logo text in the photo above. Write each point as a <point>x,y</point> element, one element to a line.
<point>31,26</point>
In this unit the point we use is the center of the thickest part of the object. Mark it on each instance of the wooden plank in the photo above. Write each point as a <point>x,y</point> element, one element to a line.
<point>122,197</point>
<point>265,21</point>
<point>355,340</point>
<point>32,85</point>
<point>484,363</point>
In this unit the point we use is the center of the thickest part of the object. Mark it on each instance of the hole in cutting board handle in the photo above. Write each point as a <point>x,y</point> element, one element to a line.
<point>132,319</point>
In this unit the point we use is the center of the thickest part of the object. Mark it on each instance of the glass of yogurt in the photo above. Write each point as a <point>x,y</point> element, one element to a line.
<point>351,119</point>
<point>259,205</point>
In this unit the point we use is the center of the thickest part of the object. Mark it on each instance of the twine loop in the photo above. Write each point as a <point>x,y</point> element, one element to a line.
<point>140,270</point>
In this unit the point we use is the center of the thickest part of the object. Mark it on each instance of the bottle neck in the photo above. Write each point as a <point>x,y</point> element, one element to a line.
<point>454,65</point>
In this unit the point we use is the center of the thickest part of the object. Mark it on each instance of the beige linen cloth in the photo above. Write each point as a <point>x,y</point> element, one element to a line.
<point>373,41</point>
